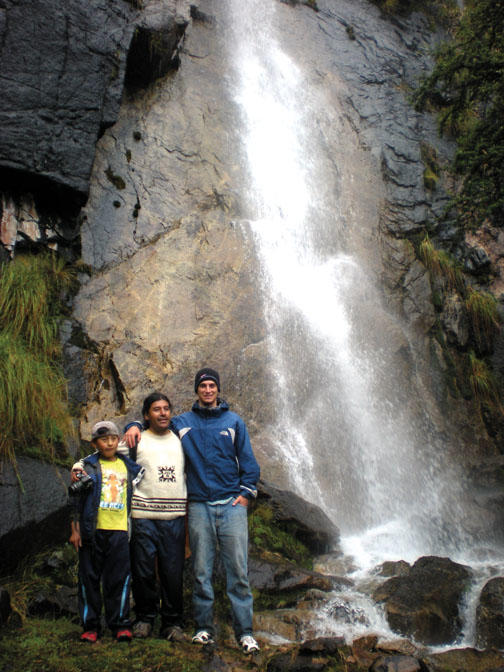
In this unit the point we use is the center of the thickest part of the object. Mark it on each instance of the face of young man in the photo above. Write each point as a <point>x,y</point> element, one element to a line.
<point>207,393</point>
<point>107,446</point>
<point>158,417</point>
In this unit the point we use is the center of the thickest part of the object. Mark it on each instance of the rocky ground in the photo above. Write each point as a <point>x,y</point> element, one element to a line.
<point>40,631</point>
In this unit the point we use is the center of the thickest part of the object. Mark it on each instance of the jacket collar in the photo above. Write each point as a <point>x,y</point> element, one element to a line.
<point>93,459</point>
<point>213,411</point>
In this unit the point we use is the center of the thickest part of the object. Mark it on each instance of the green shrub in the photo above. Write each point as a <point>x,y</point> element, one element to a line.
<point>32,386</point>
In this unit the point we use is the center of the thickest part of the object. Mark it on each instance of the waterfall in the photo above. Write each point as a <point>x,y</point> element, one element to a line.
<point>353,422</point>
<point>346,428</point>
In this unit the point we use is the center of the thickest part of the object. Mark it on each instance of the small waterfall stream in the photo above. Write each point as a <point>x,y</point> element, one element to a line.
<point>353,432</point>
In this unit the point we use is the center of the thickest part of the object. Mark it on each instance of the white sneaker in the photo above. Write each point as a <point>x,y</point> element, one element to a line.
<point>202,637</point>
<point>249,644</point>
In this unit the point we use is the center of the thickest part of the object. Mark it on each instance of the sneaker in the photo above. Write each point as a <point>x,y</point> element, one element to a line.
<point>124,635</point>
<point>90,636</point>
<point>142,629</point>
<point>202,637</point>
<point>249,644</point>
<point>174,633</point>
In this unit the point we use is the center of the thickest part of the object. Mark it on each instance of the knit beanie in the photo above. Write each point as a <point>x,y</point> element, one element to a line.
<point>206,374</point>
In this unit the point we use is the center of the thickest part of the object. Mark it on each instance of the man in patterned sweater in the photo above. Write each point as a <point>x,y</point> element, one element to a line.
<point>158,512</point>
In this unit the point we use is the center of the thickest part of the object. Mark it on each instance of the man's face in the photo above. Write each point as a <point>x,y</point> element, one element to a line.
<point>158,417</point>
<point>107,446</point>
<point>207,393</point>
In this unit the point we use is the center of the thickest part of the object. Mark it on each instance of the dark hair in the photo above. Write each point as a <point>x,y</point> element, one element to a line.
<point>148,401</point>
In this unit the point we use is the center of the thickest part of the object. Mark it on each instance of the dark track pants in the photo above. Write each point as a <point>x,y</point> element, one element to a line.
<point>164,540</point>
<point>105,562</point>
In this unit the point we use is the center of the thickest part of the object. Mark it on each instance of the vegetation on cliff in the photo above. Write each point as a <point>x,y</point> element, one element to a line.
<point>32,386</point>
<point>466,90</point>
<point>441,11</point>
<point>467,362</point>
<point>466,87</point>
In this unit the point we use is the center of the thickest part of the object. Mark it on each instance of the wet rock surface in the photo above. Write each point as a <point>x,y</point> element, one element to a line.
<point>397,664</point>
<point>425,604</point>
<point>465,660</point>
<point>171,257</point>
<point>454,320</point>
<point>272,577</point>
<point>394,568</point>
<point>490,615</point>
<point>313,656</point>
<point>310,524</point>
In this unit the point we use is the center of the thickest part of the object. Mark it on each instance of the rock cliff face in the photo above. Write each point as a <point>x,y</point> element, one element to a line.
<point>62,78</point>
<point>119,105</point>
<point>33,502</point>
<point>63,72</point>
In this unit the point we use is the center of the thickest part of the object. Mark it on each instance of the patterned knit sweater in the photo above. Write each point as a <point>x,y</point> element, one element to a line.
<point>162,491</point>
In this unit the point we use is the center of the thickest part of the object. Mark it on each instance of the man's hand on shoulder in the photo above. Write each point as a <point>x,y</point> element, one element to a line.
<point>132,436</point>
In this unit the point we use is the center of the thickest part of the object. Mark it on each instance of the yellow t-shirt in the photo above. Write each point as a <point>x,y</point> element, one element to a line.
<point>112,512</point>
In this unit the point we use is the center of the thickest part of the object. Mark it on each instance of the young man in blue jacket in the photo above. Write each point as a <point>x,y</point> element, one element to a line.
<point>101,503</point>
<point>222,474</point>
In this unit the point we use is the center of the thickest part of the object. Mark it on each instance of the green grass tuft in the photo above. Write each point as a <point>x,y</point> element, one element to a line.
<point>483,312</point>
<point>441,265</point>
<point>32,387</point>
<point>483,384</point>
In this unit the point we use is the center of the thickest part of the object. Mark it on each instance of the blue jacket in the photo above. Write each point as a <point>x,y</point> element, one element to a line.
<point>219,458</point>
<point>87,502</point>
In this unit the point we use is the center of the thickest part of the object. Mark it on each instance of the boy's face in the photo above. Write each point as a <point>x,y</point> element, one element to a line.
<point>107,445</point>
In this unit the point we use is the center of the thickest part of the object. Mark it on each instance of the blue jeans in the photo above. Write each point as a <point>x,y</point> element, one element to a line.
<point>226,525</point>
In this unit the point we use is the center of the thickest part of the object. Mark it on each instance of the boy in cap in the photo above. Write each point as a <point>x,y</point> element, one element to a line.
<point>101,501</point>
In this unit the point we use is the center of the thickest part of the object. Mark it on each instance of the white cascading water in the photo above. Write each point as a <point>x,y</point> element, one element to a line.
<point>353,440</point>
